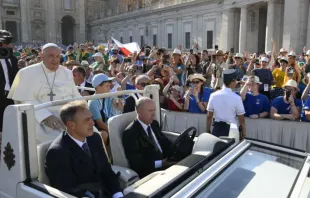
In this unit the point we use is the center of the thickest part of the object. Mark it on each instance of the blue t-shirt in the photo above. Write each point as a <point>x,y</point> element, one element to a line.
<point>305,107</point>
<point>255,104</point>
<point>130,87</point>
<point>193,106</point>
<point>282,107</point>
<point>95,107</point>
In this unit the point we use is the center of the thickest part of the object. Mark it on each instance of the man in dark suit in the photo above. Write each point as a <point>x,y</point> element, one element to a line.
<point>146,147</point>
<point>79,77</point>
<point>140,82</point>
<point>76,162</point>
<point>8,71</point>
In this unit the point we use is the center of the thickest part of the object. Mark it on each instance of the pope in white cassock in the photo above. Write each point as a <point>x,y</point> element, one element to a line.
<point>43,82</point>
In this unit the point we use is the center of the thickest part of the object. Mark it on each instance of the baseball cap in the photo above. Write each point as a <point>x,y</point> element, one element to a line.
<point>99,78</point>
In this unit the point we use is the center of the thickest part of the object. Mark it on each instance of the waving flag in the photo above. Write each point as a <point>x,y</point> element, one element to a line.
<point>128,48</point>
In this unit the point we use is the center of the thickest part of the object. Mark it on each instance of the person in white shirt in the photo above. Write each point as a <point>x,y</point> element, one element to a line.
<point>44,82</point>
<point>224,105</point>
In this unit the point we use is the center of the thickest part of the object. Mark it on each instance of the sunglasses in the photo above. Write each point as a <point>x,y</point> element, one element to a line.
<point>144,84</point>
<point>238,58</point>
<point>195,81</point>
<point>289,89</point>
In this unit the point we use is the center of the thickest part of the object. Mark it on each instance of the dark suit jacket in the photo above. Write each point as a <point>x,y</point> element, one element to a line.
<point>11,75</point>
<point>140,150</point>
<point>130,105</point>
<point>4,102</point>
<point>87,84</point>
<point>68,166</point>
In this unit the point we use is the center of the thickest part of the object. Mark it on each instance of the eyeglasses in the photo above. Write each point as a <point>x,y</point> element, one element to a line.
<point>238,58</point>
<point>195,81</point>
<point>144,84</point>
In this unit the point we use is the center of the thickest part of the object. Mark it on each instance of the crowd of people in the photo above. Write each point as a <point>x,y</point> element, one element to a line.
<point>269,83</point>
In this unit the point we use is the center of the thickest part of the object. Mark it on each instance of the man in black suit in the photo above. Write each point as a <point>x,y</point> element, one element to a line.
<point>79,77</point>
<point>140,82</point>
<point>76,162</point>
<point>8,71</point>
<point>146,147</point>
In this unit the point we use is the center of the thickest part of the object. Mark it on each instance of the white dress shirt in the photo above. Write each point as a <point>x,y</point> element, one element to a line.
<point>226,105</point>
<point>158,163</point>
<point>80,143</point>
<point>6,74</point>
<point>82,85</point>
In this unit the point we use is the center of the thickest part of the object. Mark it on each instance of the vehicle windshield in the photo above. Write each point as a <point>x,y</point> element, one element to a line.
<point>258,172</point>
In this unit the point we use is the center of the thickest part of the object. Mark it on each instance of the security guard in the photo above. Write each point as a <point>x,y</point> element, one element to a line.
<point>224,105</point>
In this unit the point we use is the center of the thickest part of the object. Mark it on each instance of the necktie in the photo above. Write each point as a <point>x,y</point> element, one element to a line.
<point>86,149</point>
<point>10,70</point>
<point>149,133</point>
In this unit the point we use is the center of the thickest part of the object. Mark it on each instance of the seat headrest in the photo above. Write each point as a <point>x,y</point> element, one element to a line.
<point>117,126</point>
<point>205,144</point>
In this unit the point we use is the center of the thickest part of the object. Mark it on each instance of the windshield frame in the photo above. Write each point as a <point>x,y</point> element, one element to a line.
<point>198,184</point>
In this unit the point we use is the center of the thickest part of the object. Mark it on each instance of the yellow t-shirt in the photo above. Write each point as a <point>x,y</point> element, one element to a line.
<point>278,75</point>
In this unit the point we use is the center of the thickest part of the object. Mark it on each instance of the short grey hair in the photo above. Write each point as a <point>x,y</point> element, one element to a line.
<point>141,77</point>
<point>68,111</point>
<point>45,50</point>
<point>142,101</point>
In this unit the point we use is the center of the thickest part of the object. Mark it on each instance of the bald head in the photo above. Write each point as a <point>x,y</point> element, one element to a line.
<point>145,108</point>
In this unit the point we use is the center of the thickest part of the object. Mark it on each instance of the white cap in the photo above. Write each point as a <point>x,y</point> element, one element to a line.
<point>115,47</point>
<point>269,53</point>
<point>176,51</point>
<point>252,79</point>
<point>283,59</point>
<point>49,45</point>
<point>239,55</point>
<point>98,54</point>
<point>291,83</point>
<point>283,50</point>
<point>265,59</point>
<point>308,53</point>
<point>292,53</point>
<point>84,63</point>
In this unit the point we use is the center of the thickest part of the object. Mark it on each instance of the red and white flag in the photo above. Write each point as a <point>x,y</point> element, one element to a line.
<point>128,48</point>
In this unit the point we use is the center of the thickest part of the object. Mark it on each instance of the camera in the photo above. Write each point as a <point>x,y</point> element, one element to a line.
<point>5,39</point>
<point>127,60</point>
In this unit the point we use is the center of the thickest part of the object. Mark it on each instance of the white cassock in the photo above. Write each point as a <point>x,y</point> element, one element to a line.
<point>30,86</point>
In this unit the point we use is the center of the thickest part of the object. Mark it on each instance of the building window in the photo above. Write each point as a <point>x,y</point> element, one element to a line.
<point>187,40</point>
<point>68,4</point>
<point>154,39</point>
<point>169,40</point>
<point>209,39</point>
<point>142,41</point>
<point>130,39</point>
<point>10,12</point>
<point>121,39</point>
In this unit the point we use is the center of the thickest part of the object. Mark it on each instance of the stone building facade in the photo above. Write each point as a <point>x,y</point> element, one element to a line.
<point>41,21</point>
<point>242,25</point>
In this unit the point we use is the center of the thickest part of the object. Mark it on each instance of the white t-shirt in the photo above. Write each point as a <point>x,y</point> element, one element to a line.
<point>225,105</point>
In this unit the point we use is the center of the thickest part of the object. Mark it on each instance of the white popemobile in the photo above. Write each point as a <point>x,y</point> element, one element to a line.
<point>217,167</point>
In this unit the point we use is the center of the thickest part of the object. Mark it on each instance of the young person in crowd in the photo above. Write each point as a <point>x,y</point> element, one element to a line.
<point>197,97</point>
<point>174,95</point>
<point>256,105</point>
<point>278,75</point>
<point>102,84</point>
<point>265,77</point>
<point>287,106</point>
